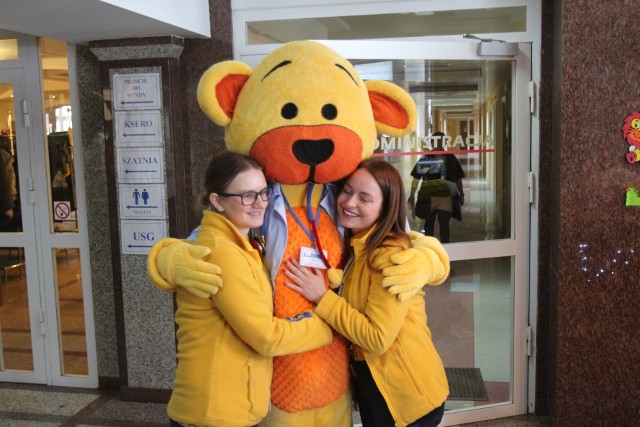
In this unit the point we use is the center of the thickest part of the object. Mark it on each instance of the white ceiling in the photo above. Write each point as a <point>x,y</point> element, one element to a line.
<point>80,21</point>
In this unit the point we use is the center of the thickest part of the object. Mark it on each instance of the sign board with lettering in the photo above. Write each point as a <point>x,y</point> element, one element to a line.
<point>136,91</point>
<point>137,237</point>
<point>142,201</point>
<point>138,128</point>
<point>140,165</point>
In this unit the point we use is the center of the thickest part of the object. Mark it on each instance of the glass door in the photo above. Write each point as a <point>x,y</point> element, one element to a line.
<point>63,238</point>
<point>22,328</point>
<point>46,317</point>
<point>465,169</point>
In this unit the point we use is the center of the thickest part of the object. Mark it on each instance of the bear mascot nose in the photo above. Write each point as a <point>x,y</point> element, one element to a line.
<point>313,152</point>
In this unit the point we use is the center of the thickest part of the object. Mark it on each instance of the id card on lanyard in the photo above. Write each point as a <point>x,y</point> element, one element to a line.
<point>313,256</point>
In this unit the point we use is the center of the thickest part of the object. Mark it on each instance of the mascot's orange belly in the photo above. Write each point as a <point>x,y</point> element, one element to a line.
<point>315,378</point>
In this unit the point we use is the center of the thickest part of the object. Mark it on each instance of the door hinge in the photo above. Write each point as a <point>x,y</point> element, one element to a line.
<point>32,193</point>
<point>493,47</point>
<point>531,185</point>
<point>25,114</point>
<point>532,97</point>
<point>42,325</point>
<point>529,340</point>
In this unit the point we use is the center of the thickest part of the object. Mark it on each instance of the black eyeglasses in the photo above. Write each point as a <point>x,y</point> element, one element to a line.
<point>250,197</point>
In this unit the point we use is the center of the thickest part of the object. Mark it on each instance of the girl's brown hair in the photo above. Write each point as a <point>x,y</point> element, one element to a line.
<point>390,227</point>
<point>222,170</point>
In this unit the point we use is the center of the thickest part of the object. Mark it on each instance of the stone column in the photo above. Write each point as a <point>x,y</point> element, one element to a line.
<point>144,147</point>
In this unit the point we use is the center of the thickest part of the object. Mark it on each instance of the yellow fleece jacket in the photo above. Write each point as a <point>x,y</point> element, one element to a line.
<point>393,335</point>
<point>226,343</point>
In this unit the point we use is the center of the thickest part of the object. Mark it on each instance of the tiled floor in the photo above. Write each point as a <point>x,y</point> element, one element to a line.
<point>29,405</point>
<point>40,406</point>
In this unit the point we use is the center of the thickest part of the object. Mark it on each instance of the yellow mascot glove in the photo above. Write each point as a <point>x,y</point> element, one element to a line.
<point>427,263</point>
<point>334,275</point>
<point>172,263</point>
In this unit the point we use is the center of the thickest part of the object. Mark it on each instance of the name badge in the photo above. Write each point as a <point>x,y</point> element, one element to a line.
<point>310,257</point>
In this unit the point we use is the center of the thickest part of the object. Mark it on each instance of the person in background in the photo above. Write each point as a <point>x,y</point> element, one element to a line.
<point>8,191</point>
<point>397,374</point>
<point>226,342</point>
<point>441,195</point>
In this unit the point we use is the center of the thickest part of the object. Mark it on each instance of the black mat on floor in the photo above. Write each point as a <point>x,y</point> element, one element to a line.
<point>466,384</point>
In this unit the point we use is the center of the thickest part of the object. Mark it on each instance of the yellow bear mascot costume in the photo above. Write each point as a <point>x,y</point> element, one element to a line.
<point>306,115</point>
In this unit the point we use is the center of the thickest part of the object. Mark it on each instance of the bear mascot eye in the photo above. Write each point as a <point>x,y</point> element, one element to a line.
<point>329,112</point>
<point>289,111</point>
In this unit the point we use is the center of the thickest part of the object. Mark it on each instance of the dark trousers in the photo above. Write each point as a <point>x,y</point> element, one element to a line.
<point>443,219</point>
<point>374,411</point>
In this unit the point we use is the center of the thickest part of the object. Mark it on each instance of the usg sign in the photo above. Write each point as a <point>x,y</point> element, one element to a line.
<point>137,237</point>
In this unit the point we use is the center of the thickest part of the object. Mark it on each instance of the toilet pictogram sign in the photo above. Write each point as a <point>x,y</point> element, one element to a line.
<point>142,201</point>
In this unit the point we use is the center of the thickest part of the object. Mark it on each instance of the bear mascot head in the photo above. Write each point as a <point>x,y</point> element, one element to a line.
<point>304,112</point>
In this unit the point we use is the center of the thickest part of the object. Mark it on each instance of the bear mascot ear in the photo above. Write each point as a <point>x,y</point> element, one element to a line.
<point>219,88</point>
<point>394,111</point>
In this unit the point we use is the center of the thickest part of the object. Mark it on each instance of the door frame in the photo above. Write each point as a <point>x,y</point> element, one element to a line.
<point>245,11</point>
<point>34,182</point>
<point>519,245</point>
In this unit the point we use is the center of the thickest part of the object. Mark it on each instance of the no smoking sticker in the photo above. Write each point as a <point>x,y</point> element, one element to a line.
<point>61,210</point>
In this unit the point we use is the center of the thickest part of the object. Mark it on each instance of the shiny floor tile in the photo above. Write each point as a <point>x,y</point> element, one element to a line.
<point>42,402</point>
<point>25,405</point>
<point>41,406</point>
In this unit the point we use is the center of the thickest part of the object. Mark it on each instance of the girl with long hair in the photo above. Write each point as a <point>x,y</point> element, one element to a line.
<point>397,375</point>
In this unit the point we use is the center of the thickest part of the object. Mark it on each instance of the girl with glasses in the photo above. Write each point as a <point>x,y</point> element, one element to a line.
<point>226,342</point>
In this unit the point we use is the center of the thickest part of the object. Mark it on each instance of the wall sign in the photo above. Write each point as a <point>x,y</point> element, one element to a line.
<point>136,91</point>
<point>140,165</point>
<point>138,237</point>
<point>61,211</point>
<point>142,201</point>
<point>137,104</point>
<point>138,128</point>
